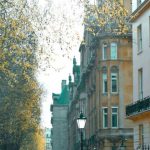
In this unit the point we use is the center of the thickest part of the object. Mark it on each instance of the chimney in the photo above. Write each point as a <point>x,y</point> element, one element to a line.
<point>63,83</point>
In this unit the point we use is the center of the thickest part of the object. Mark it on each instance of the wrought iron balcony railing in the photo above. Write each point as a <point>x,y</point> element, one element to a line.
<point>138,107</point>
<point>143,147</point>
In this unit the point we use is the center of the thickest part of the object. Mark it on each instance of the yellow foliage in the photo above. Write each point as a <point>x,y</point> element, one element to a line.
<point>19,90</point>
<point>38,141</point>
<point>110,16</point>
<point>14,23</point>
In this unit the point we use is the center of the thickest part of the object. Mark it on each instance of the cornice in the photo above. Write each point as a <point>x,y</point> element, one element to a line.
<point>140,10</point>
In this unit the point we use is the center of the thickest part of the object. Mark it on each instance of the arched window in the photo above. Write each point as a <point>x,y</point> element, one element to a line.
<point>114,69</point>
<point>104,51</point>
<point>105,117</point>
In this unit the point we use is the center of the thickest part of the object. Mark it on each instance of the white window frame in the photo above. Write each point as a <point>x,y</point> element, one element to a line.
<point>149,30</point>
<point>139,38</point>
<point>140,83</point>
<point>104,76</point>
<point>113,54</point>
<point>114,74</point>
<point>141,134</point>
<point>114,113</point>
<point>104,52</point>
<point>103,109</point>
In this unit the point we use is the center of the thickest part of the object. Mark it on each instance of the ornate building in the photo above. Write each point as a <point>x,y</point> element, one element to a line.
<point>104,88</point>
<point>108,127</point>
<point>74,107</point>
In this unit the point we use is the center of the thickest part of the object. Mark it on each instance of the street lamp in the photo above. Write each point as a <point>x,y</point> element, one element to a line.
<point>81,120</point>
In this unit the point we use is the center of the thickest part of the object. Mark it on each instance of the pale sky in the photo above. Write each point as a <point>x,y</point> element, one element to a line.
<point>51,79</point>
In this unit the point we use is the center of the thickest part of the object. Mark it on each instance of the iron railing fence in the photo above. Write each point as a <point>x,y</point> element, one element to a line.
<point>143,147</point>
<point>138,107</point>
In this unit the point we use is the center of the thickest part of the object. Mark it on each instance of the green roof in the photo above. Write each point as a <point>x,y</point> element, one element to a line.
<point>76,69</point>
<point>64,97</point>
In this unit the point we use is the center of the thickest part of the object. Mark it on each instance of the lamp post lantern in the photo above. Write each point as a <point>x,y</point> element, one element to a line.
<point>81,120</point>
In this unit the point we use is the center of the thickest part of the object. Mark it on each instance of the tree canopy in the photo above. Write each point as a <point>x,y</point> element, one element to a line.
<point>109,16</point>
<point>20,94</point>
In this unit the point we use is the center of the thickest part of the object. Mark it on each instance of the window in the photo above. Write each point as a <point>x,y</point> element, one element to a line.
<point>141,134</point>
<point>105,90</point>
<point>104,51</point>
<point>114,83</point>
<point>149,30</point>
<point>113,51</point>
<point>139,38</point>
<point>140,83</point>
<point>114,118</point>
<point>105,117</point>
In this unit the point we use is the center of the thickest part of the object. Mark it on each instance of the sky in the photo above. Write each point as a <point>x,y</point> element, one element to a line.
<point>50,79</point>
<point>51,83</point>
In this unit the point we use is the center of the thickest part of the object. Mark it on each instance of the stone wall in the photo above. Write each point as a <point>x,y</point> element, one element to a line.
<point>60,127</point>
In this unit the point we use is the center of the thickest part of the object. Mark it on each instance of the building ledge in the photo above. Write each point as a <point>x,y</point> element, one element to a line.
<point>140,10</point>
<point>110,132</point>
<point>139,116</point>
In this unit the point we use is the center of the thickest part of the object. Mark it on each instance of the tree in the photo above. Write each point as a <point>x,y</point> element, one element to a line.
<point>38,142</point>
<point>19,89</point>
<point>110,16</point>
<point>56,26</point>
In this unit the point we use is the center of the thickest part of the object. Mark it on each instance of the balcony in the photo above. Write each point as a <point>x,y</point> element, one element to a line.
<point>138,108</point>
<point>143,147</point>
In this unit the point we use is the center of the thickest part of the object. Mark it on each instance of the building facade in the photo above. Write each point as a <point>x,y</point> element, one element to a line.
<point>59,118</point>
<point>108,84</point>
<point>103,91</point>
<point>139,110</point>
<point>74,107</point>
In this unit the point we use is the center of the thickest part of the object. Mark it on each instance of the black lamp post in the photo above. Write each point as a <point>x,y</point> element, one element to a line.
<point>81,120</point>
